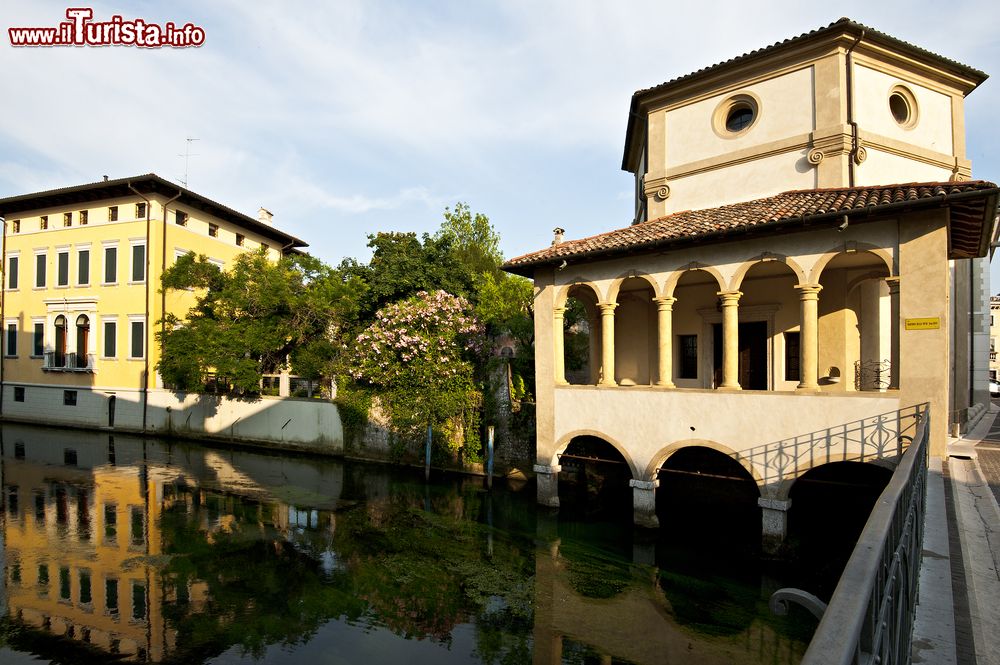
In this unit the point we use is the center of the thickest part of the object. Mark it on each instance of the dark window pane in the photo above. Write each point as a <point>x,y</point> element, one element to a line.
<point>11,339</point>
<point>792,372</point>
<point>138,263</point>
<point>40,270</point>
<point>138,340</point>
<point>111,596</point>
<point>110,265</point>
<point>38,340</point>
<point>110,339</point>
<point>689,356</point>
<point>62,274</point>
<point>12,272</point>
<point>83,266</point>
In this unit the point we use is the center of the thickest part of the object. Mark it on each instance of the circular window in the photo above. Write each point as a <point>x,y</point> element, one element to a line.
<point>903,107</point>
<point>736,115</point>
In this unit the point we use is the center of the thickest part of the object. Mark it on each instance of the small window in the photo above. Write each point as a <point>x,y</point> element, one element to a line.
<point>138,346</point>
<point>11,347</point>
<point>85,593</point>
<point>138,525</point>
<point>83,267</point>
<point>181,218</point>
<point>62,269</point>
<point>110,265</point>
<point>138,263</point>
<point>689,356</point>
<point>83,217</point>
<point>19,397</point>
<point>38,340</point>
<point>64,589</point>
<point>140,210</point>
<point>12,264</point>
<point>69,457</point>
<point>213,230</point>
<point>240,239</point>
<point>110,339</point>
<point>735,116</point>
<point>43,574</point>
<point>112,213</point>
<point>69,399</point>
<point>15,226</point>
<point>43,222</point>
<point>110,521</point>
<point>739,118</point>
<point>138,601</point>
<point>67,219</point>
<point>40,262</point>
<point>903,107</point>
<point>265,246</point>
<point>792,346</point>
<point>111,597</point>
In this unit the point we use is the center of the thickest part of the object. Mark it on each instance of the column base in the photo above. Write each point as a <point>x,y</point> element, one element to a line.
<point>665,384</point>
<point>644,503</point>
<point>547,479</point>
<point>774,524</point>
<point>608,384</point>
<point>807,388</point>
<point>733,387</point>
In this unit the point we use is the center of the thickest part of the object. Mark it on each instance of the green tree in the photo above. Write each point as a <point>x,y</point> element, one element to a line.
<point>250,320</point>
<point>474,241</point>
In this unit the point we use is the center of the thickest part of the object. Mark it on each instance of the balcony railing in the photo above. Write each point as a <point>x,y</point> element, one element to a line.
<point>68,362</point>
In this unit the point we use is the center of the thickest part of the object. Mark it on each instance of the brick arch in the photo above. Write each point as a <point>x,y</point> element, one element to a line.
<point>675,277</point>
<point>665,453</point>
<point>562,293</point>
<point>637,274</point>
<point>765,257</point>
<point>821,263</point>
<point>566,439</point>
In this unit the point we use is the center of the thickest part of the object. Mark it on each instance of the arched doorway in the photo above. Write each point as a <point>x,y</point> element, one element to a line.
<point>830,506</point>
<point>769,329</point>
<point>594,481</point>
<point>59,352</point>
<point>635,334</point>
<point>708,497</point>
<point>82,340</point>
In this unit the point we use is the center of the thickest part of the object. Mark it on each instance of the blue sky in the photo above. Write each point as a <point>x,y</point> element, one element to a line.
<point>361,116</point>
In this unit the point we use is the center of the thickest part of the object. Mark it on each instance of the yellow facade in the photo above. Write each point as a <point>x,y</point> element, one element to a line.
<point>82,298</point>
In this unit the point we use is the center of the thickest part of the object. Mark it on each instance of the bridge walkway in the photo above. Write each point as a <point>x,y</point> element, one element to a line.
<point>958,616</point>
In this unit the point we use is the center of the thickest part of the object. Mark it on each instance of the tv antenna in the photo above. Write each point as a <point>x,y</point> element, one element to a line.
<point>187,155</point>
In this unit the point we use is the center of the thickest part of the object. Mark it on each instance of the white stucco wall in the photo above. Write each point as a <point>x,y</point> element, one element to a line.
<point>882,168</point>
<point>933,129</point>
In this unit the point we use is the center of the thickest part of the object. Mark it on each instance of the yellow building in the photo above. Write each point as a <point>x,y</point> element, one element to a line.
<point>81,291</point>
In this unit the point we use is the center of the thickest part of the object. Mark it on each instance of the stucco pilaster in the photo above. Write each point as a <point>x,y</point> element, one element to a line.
<point>894,328</point>
<point>608,343</point>
<point>809,347</point>
<point>925,353</point>
<point>664,340</point>
<point>544,368</point>
<point>730,339</point>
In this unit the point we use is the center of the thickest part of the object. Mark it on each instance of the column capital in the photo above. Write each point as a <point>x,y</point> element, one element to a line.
<point>893,283</point>
<point>644,484</point>
<point>729,298</point>
<point>774,504</point>
<point>808,291</point>
<point>558,312</point>
<point>607,307</point>
<point>665,303</point>
<point>546,469</point>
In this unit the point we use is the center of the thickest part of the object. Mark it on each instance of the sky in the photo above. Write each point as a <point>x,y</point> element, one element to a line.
<point>350,117</point>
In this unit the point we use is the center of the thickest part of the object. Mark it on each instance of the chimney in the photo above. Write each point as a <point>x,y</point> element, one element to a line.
<point>105,178</point>
<point>265,216</point>
<point>559,235</point>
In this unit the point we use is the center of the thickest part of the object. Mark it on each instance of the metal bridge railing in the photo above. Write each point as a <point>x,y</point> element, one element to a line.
<point>871,613</point>
<point>885,435</point>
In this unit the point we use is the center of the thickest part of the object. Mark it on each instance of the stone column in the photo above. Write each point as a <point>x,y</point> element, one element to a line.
<point>665,340</point>
<point>894,324</point>
<point>608,343</point>
<point>730,339</point>
<point>559,357</point>
<point>547,479</point>
<point>809,337</point>
<point>644,503</point>
<point>594,348</point>
<point>774,516</point>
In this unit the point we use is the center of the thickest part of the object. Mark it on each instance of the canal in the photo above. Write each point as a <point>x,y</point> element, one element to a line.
<point>124,549</point>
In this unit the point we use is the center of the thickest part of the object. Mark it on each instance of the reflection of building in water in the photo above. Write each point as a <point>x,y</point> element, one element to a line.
<point>76,529</point>
<point>83,539</point>
<point>587,609</point>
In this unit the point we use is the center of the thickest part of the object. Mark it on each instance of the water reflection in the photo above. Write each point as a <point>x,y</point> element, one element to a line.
<point>124,549</point>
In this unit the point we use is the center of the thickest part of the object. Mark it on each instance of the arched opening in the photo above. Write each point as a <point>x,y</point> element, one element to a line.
<point>855,326</point>
<point>769,329</point>
<point>708,498</point>
<point>594,481</point>
<point>830,505</point>
<point>582,336</point>
<point>82,340</point>
<point>694,310</point>
<point>59,357</point>
<point>635,333</point>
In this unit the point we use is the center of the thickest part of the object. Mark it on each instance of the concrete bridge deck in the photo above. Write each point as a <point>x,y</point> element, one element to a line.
<point>958,616</point>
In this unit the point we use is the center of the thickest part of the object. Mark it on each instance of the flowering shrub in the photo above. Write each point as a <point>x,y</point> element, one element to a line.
<point>418,354</point>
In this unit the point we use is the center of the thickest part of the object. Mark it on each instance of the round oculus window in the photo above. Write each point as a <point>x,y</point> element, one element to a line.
<point>740,116</point>
<point>903,107</point>
<point>736,115</point>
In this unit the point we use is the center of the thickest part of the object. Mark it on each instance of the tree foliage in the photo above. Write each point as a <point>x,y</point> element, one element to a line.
<point>250,320</point>
<point>418,354</point>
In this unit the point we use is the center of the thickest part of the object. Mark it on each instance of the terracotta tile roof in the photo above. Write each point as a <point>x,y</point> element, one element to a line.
<point>973,203</point>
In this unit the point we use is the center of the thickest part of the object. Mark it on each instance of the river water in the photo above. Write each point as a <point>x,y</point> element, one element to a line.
<point>119,548</point>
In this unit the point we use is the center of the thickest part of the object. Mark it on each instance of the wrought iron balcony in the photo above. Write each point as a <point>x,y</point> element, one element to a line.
<point>68,362</point>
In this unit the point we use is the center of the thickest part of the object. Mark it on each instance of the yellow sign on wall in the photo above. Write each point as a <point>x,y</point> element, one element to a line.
<point>931,323</point>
